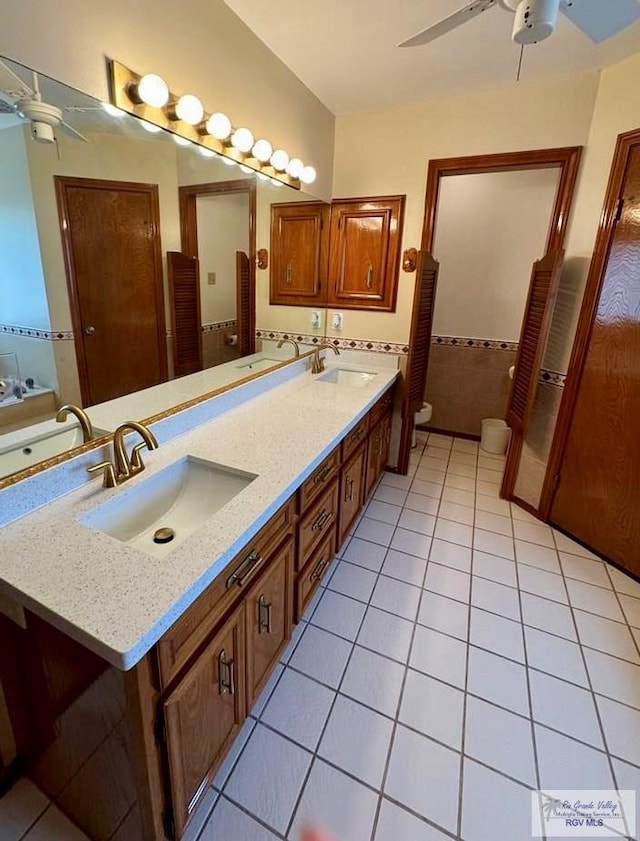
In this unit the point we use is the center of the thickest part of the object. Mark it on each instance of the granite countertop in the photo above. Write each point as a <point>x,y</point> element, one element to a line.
<point>117,600</point>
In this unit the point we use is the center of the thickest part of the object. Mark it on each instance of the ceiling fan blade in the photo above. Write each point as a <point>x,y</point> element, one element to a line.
<point>6,105</point>
<point>13,84</point>
<point>71,131</point>
<point>599,20</point>
<point>82,108</point>
<point>471,10</point>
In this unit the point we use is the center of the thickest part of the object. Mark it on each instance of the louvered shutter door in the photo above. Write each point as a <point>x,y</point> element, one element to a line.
<point>184,293</point>
<point>543,289</point>
<point>245,309</point>
<point>420,340</point>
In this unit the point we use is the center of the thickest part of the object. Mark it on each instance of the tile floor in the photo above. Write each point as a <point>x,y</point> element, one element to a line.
<point>458,655</point>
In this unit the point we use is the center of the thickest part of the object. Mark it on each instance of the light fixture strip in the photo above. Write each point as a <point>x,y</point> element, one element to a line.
<point>124,95</point>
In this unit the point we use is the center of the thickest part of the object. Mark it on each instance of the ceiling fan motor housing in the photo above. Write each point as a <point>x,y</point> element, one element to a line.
<point>535,20</point>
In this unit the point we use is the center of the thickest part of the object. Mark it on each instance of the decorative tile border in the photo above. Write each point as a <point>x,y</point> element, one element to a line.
<point>301,338</point>
<point>218,325</point>
<point>32,333</point>
<point>338,341</point>
<point>555,378</point>
<point>461,341</point>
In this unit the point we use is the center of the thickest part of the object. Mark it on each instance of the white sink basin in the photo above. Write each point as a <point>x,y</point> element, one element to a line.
<point>260,364</point>
<point>177,500</point>
<point>345,376</point>
<point>46,444</point>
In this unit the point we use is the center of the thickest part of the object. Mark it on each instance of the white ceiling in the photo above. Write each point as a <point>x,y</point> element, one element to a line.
<point>345,50</point>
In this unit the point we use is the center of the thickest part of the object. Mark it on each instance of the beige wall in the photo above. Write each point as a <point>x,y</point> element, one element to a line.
<point>197,45</point>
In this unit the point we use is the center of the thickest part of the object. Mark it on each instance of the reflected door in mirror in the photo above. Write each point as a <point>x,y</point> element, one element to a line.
<point>111,240</point>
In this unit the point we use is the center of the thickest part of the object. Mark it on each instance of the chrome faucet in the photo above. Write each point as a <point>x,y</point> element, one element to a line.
<point>123,466</point>
<point>291,342</point>
<point>81,415</point>
<point>317,361</point>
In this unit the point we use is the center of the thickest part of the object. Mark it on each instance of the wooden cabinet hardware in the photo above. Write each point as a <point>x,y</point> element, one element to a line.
<point>319,568</point>
<point>264,616</point>
<point>320,477</point>
<point>321,520</point>
<point>226,675</point>
<point>245,570</point>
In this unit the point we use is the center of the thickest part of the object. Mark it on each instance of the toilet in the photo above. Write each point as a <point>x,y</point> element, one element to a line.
<point>421,417</point>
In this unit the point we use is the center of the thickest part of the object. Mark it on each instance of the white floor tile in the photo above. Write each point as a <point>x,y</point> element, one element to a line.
<point>496,679</point>
<point>222,775</point>
<point>555,656</point>
<point>386,634</point>
<point>373,680</point>
<point>495,598</point>
<point>539,582</point>
<point>621,726</point>
<point>417,521</point>
<point>463,445</point>
<point>431,489</point>
<point>631,608</point>
<point>457,457</point>
<point>321,655</point>
<point>387,493</point>
<point>594,599</point>
<point>485,474</point>
<point>339,614</point>
<point>270,685</point>
<point>451,555</point>
<point>458,469</point>
<point>488,489</point>
<point>54,826</point>
<point>566,764</point>
<point>584,569</point>
<point>564,707</point>
<point>352,580</point>
<point>460,497</point>
<point>411,542</point>
<point>500,570</point>
<point>565,544</point>
<point>623,583</point>
<point>383,511</point>
<point>437,439</point>
<point>493,505</point>
<point>500,739</point>
<point>537,556</point>
<point>494,544</point>
<point>433,708</point>
<point>424,776</point>
<point>484,816</point>
<point>461,483</point>
<point>357,740</point>
<point>375,531</point>
<point>519,513</point>
<point>20,808</point>
<point>396,597</point>
<point>444,614</point>
<point>335,802</point>
<point>429,474</point>
<point>299,708</point>
<point>396,824</point>
<point>365,554</point>
<point>394,480</point>
<point>606,635</point>
<point>547,616</point>
<point>404,567</point>
<point>424,504</point>
<point>614,678</point>
<point>494,522</point>
<point>627,777</point>
<point>496,634</point>
<point>453,532</point>
<point>439,656</point>
<point>269,777</point>
<point>534,533</point>
<point>448,582</point>
<point>456,513</point>
<point>227,821</point>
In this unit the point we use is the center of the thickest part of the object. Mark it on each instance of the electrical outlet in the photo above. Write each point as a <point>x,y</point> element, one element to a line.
<point>315,319</point>
<point>337,321</point>
<point>211,278</point>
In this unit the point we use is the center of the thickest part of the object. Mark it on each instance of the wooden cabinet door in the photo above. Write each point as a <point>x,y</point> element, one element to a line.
<point>375,447</point>
<point>268,616</point>
<point>299,253</point>
<point>363,253</point>
<point>351,492</point>
<point>202,716</point>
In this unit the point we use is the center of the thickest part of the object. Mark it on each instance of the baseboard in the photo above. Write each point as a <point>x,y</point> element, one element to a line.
<point>467,435</point>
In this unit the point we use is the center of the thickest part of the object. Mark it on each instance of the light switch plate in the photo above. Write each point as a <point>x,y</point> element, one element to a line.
<point>336,321</point>
<point>315,318</point>
<point>211,278</point>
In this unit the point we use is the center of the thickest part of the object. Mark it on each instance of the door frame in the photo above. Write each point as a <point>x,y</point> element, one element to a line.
<point>61,183</point>
<point>588,311</point>
<point>567,160</point>
<point>188,195</point>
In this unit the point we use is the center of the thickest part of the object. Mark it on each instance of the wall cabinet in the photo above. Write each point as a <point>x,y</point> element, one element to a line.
<point>345,256</point>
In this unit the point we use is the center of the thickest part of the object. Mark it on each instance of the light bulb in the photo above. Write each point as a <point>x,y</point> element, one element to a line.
<point>308,175</point>
<point>246,169</point>
<point>262,150</point>
<point>189,109</point>
<point>150,127</point>
<point>279,160</point>
<point>275,182</point>
<point>219,126</point>
<point>242,139</point>
<point>228,161</point>
<point>295,167</point>
<point>206,153</point>
<point>112,110</point>
<point>181,141</point>
<point>262,176</point>
<point>153,90</point>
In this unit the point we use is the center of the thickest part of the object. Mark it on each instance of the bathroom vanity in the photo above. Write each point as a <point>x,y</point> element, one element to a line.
<point>135,664</point>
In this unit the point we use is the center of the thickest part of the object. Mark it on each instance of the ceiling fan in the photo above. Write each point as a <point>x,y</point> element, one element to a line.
<point>535,20</point>
<point>16,97</point>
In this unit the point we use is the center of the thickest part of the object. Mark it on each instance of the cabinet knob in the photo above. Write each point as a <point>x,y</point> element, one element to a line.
<point>89,330</point>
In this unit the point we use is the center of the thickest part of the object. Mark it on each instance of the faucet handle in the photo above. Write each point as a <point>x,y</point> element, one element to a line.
<point>109,475</point>
<point>137,464</point>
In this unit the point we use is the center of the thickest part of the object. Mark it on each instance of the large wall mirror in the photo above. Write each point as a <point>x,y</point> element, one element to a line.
<point>128,277</point>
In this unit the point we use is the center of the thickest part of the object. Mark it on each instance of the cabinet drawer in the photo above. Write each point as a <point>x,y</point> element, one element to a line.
<point>319,480</point>
<point>353,438</point>
<point>184,637</point>
<point>384,405</point>
<point>310,577</point>
<point>319,521</point>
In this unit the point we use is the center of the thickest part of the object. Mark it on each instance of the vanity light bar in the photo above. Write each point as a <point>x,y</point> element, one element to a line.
<point>148,97</point>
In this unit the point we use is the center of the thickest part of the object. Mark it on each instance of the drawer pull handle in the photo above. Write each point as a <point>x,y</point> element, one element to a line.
<point>226,675</point>
<point>323,474</point>
<point>245,569</point>
<point>357,435</point>
<point>348,490</point>
<point>321,520</point>
<point>376,444</point>
<point>318,570</point>
<point>370,277</point>
<point>264,616</point>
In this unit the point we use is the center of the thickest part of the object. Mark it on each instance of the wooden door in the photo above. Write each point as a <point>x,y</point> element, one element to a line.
<point>299,253</point>
<point>186,323</point>
<point>269,615</point>
<point>597,498</point>
<point>351,492</point>
<point>364,251</point>
<point>245,305</point>
<point>202,716</point>
<point>111,239</point>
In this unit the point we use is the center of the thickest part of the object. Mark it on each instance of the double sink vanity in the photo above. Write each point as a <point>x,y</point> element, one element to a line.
<point>147,617</point>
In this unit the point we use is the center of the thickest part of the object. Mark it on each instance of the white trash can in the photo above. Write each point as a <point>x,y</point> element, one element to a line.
<point>423,416</point>
<point>495,436</point>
